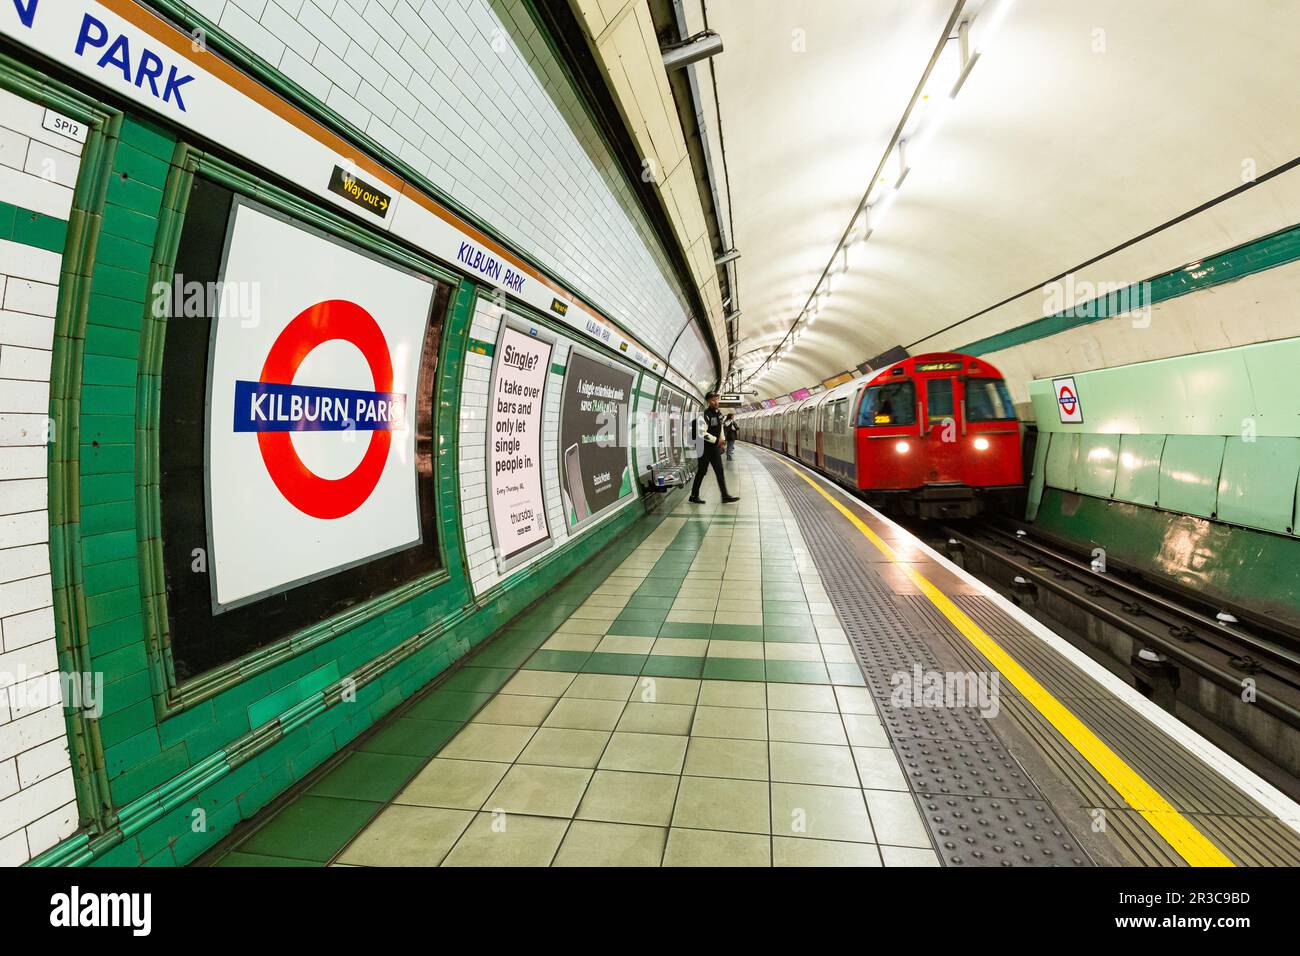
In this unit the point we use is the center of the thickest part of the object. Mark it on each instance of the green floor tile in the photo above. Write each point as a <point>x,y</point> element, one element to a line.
<point>797,672</point>
<point>684,629</point>
<point>367,776</point>
<point>614,664</point>
<point>571,661</point>
<point>665,666</point>
<point>311,828</point>
<point>413,738</point>
<point>530,637</point>
<point>784,607</point>
<point>651,614</point>
<point>501,656</point>
<point>723,668</point>
<point>448,705</point>
<point>790,635</point>
<point>735,632</point>
<point>846,674</point>
<point>658,589</point>
<point>256,859</point>
<point>635,628</point>
<point>787,620</point>
<point>649,601</point>
<point>478,679</point>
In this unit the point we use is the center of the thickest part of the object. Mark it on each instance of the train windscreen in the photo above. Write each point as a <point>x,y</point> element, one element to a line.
<point>988,400</point>
<point>891,404</point>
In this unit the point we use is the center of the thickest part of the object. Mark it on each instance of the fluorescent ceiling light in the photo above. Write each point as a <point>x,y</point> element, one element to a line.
<point>987,23</point>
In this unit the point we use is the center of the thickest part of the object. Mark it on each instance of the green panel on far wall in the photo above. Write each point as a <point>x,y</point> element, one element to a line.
<point>1209,393</point>
<point>1189,474</point>
<point>1062,454</point>
<point>1039,476</point>
<point>1138,476</point>
<point>1257,486</point>
<point>1098,457</point>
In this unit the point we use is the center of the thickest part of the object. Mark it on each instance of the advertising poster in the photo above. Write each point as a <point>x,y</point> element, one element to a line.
<point>676,426</point>
<point>312,384</point>
<point>520,367</point>
<point>595,473</point>
<point>661,427</point>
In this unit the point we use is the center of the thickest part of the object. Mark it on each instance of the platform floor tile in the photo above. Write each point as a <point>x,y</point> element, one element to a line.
<point>699,706</point>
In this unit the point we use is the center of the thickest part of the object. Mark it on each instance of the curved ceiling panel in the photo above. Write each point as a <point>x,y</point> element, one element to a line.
<point>1081,127</point>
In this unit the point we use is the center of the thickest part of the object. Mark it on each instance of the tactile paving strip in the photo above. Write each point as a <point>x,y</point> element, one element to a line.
<point>981,806</point>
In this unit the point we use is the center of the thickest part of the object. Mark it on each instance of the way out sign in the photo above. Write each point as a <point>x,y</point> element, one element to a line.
<point>1068,404</point>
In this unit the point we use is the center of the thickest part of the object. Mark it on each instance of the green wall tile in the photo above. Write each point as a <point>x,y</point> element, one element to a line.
<point>108,400</point>
<point>113,606</point>
<point>141,166</point>
<point>35,229</point>
<point>148,138</point>
<point>113,546</point>
<point>113,342</point>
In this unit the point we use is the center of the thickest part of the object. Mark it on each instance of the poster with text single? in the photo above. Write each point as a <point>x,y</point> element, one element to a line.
<point>521,364</point>
<point>314,374</point>
<point>595,473</point>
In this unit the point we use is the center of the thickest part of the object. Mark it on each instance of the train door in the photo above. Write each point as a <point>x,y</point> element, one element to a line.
<point>838,458</point>
<point>944,430</point>
<point>808,432</point>
<point>819,426</point>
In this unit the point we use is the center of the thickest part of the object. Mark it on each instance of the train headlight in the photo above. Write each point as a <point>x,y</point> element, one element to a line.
<point>902,448</point>
<point>981,444</point>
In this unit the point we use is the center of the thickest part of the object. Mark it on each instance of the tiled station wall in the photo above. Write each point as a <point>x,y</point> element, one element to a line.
<point>469,94</point>
<point>1257,308</point>
<point>38,170</point>
<point>480,555</point>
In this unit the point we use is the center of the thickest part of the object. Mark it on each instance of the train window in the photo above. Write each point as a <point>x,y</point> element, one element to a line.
<point>988,400</point>
<point>938,399</point>
<point>892,404</point>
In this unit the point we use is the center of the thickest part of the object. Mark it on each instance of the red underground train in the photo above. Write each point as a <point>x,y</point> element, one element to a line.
<point>933,435</point>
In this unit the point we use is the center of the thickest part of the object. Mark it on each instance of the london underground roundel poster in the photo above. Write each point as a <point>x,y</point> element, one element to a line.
<point>312,388</point>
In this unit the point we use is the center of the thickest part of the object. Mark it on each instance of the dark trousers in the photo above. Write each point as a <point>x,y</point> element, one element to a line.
<point>711,458</point>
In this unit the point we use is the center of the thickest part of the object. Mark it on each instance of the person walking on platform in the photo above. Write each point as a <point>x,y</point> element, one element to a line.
<point>711,457</point>
<point>731,431</point>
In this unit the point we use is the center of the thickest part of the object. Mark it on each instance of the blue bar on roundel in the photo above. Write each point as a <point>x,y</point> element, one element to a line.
<point>273,407</point>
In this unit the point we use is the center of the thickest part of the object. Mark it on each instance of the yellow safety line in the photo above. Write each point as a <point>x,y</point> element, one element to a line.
<point>1192,845</point>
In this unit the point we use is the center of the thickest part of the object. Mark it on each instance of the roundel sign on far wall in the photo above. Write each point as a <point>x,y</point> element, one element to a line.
<point>1068,404</point>
<point>311,438</point>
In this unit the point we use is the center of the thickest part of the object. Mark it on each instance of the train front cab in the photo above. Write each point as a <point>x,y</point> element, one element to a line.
<point>938,433</point>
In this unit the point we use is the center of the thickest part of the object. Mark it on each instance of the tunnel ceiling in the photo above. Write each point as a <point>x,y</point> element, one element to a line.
<point>1080,127</point>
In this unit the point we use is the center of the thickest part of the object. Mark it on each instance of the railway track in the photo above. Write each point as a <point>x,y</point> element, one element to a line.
<point>1235,655</point>
<point>1253,665</point>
